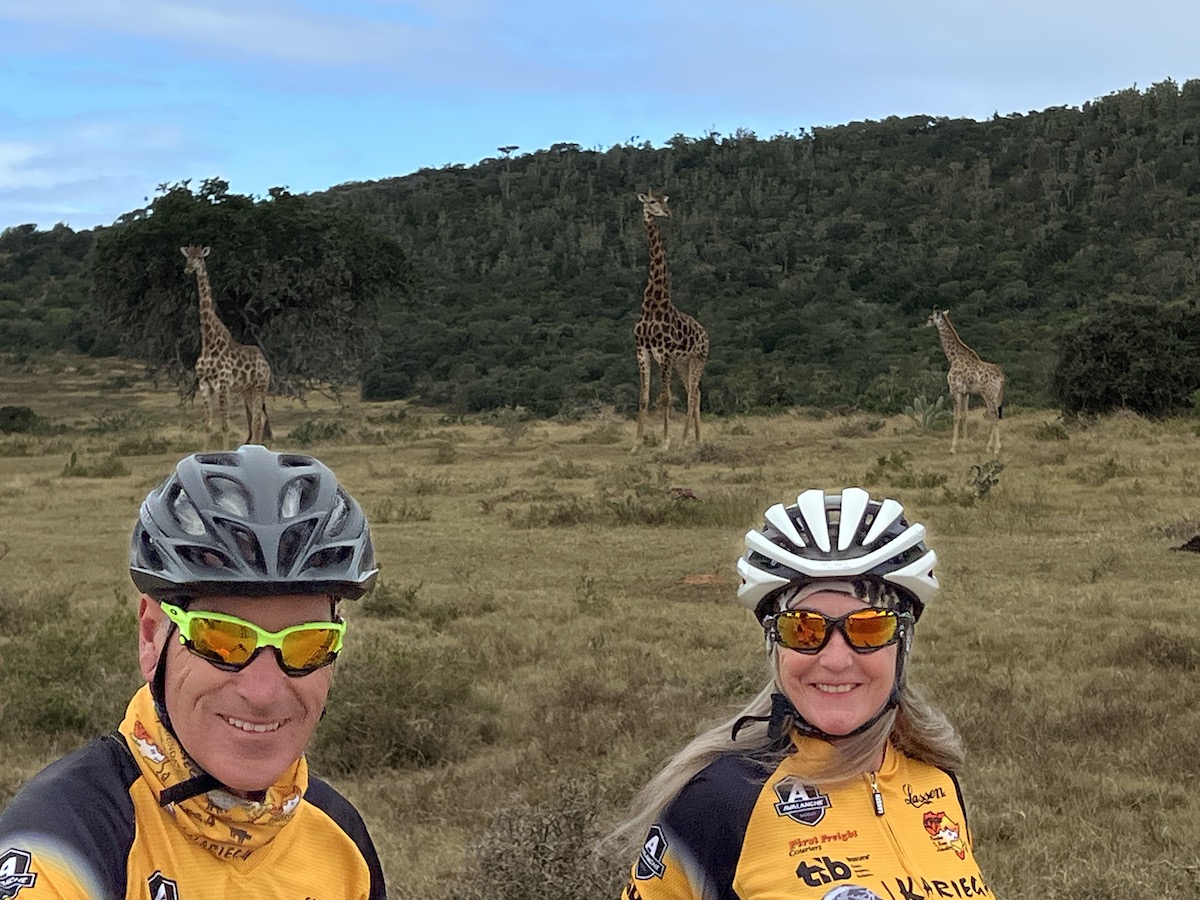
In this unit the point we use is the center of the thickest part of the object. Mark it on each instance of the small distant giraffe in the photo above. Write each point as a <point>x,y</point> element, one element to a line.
<point>675,340</point>
<point>227,369</point>
<point>969,375</point>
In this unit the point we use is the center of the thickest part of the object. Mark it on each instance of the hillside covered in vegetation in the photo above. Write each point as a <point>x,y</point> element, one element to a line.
<point>813,260</point>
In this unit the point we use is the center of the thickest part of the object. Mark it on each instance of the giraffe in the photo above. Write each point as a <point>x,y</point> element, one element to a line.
<point>225,368</point>
<point>969,375</point>
<point>674,340</point>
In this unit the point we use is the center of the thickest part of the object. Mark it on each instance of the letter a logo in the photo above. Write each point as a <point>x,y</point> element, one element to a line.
<point>162,888</point>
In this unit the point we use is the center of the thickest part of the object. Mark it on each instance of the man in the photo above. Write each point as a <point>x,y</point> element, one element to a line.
<point>204,790</point>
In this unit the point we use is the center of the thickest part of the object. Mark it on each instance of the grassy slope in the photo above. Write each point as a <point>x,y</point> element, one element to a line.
<point>532,677</point>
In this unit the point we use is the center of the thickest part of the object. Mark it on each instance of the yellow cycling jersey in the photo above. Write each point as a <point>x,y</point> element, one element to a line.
<point>741,830</point>
<point>91,827</point>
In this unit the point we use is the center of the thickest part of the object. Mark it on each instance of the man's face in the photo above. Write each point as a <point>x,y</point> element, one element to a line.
<point>244,728</point>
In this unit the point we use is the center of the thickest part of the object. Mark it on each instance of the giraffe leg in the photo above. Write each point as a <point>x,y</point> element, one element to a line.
<point>959,415</point>
<point>206,395</point>
<point>223,406</point>
<point>248,401</point>
<point>694,371</point>
<point>664,401</point>
<point>643,364</point>
<point>993,444</point>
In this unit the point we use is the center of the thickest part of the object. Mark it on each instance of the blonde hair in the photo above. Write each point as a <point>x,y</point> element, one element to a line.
<point>915,727</point>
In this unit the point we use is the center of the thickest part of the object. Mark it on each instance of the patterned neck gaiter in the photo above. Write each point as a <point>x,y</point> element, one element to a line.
<point>227,826</point>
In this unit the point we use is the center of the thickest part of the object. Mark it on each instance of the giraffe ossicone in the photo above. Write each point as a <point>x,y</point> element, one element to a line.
<point>671,338</point>
<point>969,375</point>
<point>226,369</point>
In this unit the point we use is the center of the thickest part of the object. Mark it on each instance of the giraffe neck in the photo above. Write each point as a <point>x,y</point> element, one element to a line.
<point>213,333</point>
<point>952,344</point>
<point>658,285</point>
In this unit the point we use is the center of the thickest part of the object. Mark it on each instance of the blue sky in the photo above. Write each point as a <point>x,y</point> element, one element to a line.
<point>103,100</point>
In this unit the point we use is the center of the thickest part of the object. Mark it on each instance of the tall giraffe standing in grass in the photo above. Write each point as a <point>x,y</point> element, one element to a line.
<point>227,369</point>
<point>673,339</point>
<point>969,375</point>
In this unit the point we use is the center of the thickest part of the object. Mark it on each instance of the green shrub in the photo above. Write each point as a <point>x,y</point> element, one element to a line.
<point>398,705</point>
<point>526,847</point>
<point>310,432</point>
<point>1051,431</point>
<point>926,415</point>
<point>108,467</point>
<point>65,677</point>
<point>387,601</point>
<point>14,419</point>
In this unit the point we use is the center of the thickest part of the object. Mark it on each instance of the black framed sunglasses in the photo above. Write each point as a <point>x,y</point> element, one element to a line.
<point>865,630</point>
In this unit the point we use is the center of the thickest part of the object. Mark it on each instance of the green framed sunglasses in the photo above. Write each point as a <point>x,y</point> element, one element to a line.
<point>230,643</point>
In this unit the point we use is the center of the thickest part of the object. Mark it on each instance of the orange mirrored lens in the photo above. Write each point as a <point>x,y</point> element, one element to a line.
<point>310,648</point>
<point>867,629</point>
<point>801,630</point>
<point>870,628</point>
<point>225,642</point>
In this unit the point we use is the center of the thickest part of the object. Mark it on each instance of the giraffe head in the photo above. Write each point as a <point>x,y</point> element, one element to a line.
<point>653,205</point>
<point>936,318</point>
<point>194,254</point>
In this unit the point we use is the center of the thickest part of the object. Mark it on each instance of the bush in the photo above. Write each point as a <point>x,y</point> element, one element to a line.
<point>14,419</point>
<point>108,467</point>
<point>310,432</point>
<point>61,679</point>
<point>1130,353</point>
<point>527,846</point>
<point>399,707</point>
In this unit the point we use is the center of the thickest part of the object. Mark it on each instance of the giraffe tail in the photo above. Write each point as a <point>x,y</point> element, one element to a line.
<point>266,423</point>
<point>1000,412</point>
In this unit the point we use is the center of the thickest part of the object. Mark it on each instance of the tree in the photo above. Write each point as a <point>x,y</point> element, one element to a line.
<point>1132,353</point>
<point>303,281</point>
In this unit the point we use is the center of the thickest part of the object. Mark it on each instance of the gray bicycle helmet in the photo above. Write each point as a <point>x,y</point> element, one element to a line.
<point>251,522</point>
<point>836,537</point>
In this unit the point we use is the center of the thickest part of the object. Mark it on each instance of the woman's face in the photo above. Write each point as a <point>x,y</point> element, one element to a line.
<point>838,689</point>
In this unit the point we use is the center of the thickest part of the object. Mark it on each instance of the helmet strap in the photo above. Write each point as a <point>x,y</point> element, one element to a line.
<point>782,709</point>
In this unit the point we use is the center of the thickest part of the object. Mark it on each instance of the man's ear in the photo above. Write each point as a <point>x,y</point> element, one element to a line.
<point>151,634</point>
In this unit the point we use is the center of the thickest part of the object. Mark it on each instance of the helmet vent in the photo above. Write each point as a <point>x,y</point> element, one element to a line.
<point>149,553</point>
<point>292,542</point>
<point>247,544</point>
<point>289,461</point>
<point>184,512</point>
<point>204,558</point>
<point>229,496</point>
<point>339,516</point>
<point>298,496</point>
<point>329,558</point>
<point>216,459</point>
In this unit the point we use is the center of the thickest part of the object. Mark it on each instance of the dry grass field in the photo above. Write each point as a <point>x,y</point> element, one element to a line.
<point>553,620</point>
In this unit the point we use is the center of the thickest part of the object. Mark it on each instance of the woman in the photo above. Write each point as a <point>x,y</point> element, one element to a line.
<point>837,781</point>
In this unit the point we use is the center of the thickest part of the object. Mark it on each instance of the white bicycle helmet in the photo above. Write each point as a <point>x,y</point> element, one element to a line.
<point>837,537</point>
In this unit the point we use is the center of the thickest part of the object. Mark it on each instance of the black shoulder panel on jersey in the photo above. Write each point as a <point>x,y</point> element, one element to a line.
<point>962,804</point>
<point>342,811</point>
<point>711,813</point>
<point>82,802</point>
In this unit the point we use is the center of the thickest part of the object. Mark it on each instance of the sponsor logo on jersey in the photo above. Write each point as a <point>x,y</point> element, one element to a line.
<point>650,861</point>
<point>945,833</point>
<point>800,802</point>
<point>823,870</point>
<point>15,873</point>
<point>162,888</point>
<point>913,798</point>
